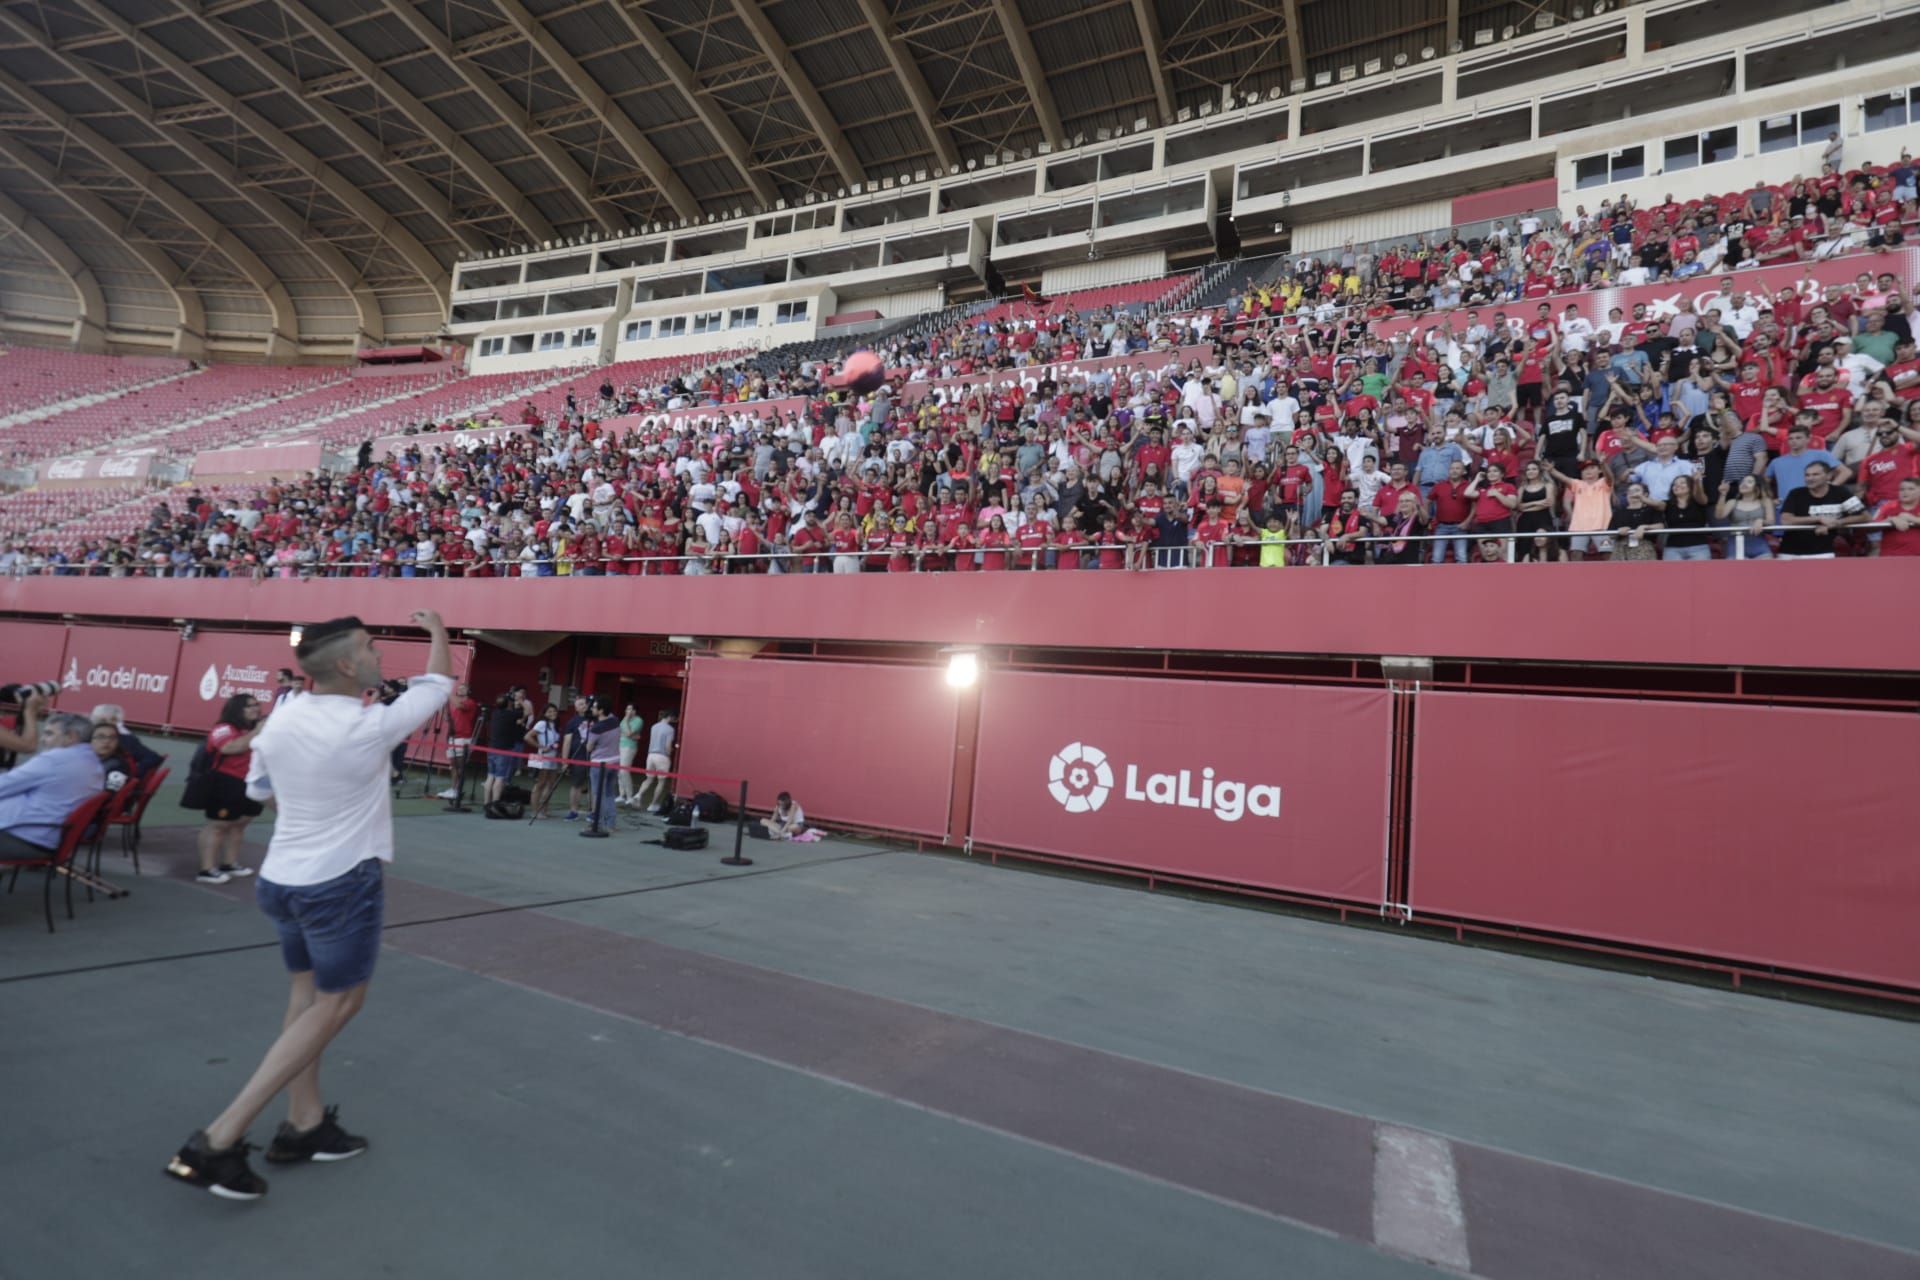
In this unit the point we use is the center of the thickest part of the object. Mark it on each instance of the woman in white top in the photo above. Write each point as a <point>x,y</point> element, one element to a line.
<point>544,741</point>
<point>786,820</point>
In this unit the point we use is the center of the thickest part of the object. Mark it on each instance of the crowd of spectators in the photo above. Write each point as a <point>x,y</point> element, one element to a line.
<point>1749,426</point>
<point>1618,244</point>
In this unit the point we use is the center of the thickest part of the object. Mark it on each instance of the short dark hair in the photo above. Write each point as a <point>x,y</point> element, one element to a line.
<point>286,673</point>
<point>312,637</point>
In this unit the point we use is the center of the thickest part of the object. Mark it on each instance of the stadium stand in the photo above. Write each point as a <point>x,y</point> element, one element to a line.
<point>1317,431</point>
<point>31,378</point>
<point>150,414</point>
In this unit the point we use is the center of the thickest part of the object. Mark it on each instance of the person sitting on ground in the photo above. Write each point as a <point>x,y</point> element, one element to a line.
<point>37,795</point>
<point>786,821</point>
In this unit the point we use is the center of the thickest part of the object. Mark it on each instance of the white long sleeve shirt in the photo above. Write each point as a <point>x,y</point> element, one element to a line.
<point>324,759</point>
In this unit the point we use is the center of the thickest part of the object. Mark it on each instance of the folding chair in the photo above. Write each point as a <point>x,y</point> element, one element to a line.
<point>72,831</point>
<point>118,804</point>
<point>128,820</point>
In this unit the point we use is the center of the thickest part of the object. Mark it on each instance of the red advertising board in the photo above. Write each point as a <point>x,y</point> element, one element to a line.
<point>215,665</point>
<point>128,665</point>
<point>33,651</point>
<point>1270,786</point>
<point>105,469</point>
<point>867,745</point>
<point>289,458</point>
<point>1777,836</point>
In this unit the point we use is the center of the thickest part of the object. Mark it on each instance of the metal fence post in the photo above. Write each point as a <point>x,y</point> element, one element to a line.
<point>739,832</point>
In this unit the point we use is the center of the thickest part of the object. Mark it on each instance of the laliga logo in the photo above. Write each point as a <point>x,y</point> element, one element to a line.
<point>1080,779</point>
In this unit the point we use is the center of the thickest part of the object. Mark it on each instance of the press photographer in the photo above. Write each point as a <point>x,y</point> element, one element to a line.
<point>23,737</point>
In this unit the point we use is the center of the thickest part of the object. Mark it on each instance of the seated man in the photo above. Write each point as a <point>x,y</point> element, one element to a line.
<point>36,797</point>
<point>786,821</point>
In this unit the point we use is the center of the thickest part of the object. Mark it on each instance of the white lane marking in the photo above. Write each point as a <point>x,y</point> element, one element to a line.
<point>1416,1197</point>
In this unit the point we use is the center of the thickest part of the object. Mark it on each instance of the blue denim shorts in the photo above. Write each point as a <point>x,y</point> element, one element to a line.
<point>331,928</point>
<point>500,766</point>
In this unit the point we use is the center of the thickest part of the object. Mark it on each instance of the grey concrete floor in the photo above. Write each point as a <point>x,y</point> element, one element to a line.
<point>852,1060</point>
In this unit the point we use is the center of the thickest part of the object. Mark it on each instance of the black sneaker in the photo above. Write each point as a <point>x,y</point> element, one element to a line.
<point>235,870</point>
<point>225,1173</point>
<point>324,1142</point>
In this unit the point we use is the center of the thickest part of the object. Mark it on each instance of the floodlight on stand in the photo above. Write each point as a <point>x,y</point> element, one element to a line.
<point>963,666</point>
<point>1299,84</point>
<point>1140,123</point>
<point>1542,20</point>
<point>1321,79</point>
<point>1483,36</point>
<point>1348,73</point>
<point>1426,53</point>
<point>1371,66</point>
<point>1506,32</point>
<point>1400,59</point>
<point>1455,47</point>
<point>1183,115</point>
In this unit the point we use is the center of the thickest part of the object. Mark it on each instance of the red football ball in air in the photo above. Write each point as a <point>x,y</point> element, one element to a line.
<point>863,371</point>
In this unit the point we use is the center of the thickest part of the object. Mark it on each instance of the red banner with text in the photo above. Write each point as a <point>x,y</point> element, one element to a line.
<point>1772,835</point>
<point>1271,786</point>
<point>866,745</point>
<point>215,665</point>
<point>35,651</point>
<point>131,666</point>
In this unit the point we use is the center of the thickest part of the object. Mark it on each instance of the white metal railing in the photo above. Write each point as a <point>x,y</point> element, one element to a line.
<point>1305,549</point>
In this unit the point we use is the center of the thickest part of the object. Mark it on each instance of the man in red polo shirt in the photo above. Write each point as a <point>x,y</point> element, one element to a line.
<point>1832,402</point>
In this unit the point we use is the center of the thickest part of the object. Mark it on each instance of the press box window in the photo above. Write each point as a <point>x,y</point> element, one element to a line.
<point>743,317</point>
<point>1696,149</point>
<point>1618,166</point>
<point>638,329</point>
<point>790,313</point>
<point>492,346</point>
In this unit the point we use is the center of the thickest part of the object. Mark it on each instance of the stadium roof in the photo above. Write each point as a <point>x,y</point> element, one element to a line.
<point>286,160</point>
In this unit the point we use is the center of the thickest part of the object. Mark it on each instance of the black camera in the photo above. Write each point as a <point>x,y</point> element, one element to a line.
<point>21,692</point>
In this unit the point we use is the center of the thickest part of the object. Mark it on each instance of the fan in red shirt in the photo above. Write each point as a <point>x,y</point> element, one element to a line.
<point>1904,372</point>
<point>994,543</point>
<point>1210,536</point>
<point>1903,513</point>
<point>1032,539</point>
<point>1883,470</point>
<point>963,543</point>
<point>1832,402</point>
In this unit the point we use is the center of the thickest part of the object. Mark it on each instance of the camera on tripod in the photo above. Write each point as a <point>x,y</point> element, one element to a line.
<point>21,692</point>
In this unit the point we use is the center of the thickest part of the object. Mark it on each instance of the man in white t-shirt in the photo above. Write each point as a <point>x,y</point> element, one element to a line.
<point>323,758</point>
